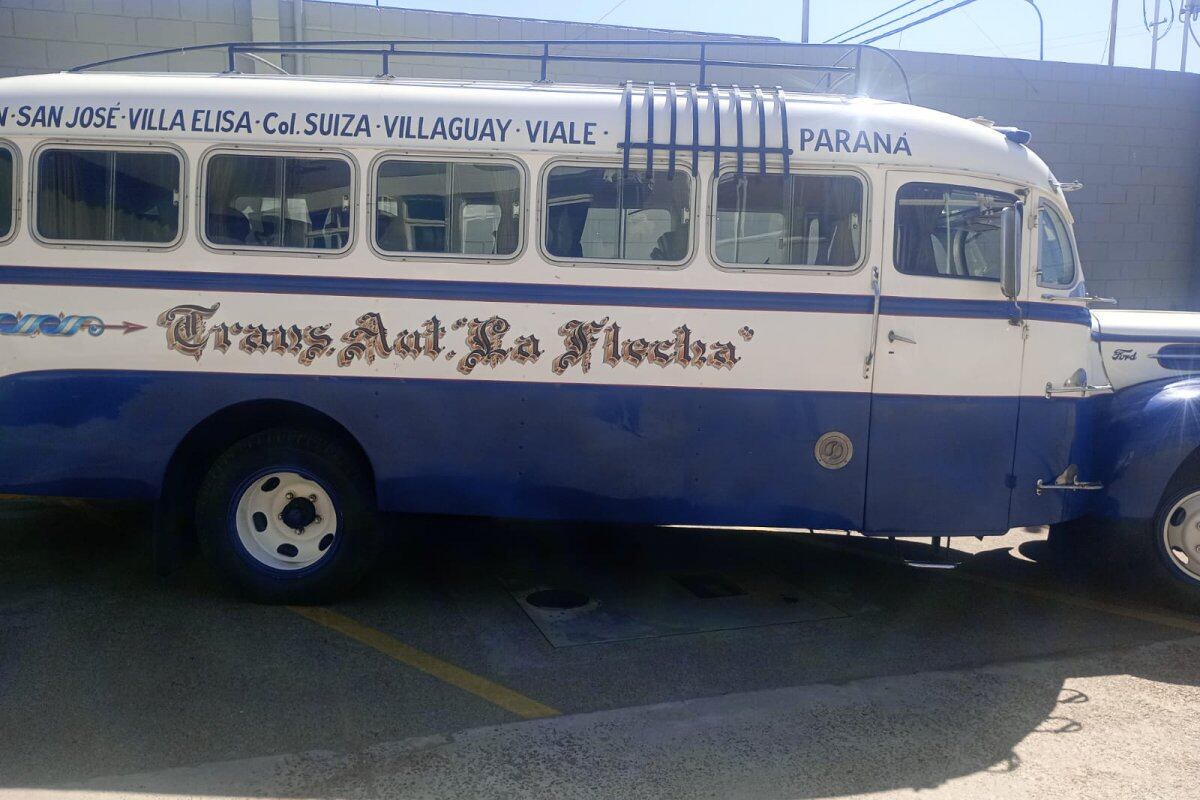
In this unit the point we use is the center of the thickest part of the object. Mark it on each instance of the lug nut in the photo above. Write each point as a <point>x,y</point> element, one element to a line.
<point>317,519</point>
<point>312,498</point>
<point>289,495</point>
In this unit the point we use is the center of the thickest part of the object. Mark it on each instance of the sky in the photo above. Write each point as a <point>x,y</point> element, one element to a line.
<point>1076,30</point>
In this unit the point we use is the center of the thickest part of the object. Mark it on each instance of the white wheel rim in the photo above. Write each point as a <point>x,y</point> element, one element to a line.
<point>1181,535</point>
<point>266,507</point>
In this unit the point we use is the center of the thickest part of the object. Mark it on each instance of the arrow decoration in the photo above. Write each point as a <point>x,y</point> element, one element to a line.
<point>60,325</point>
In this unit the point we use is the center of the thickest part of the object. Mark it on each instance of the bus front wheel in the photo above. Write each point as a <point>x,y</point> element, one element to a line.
<point>1174,542</point>
<point>288,516</point>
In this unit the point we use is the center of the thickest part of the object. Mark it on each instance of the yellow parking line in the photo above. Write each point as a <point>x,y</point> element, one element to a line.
<point>1140,614</point>
<point>444,671</point>
<point>77,504</point>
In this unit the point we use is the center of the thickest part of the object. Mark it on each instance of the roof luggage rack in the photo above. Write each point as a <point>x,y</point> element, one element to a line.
<point>692,97</point>
<point>831,68</point>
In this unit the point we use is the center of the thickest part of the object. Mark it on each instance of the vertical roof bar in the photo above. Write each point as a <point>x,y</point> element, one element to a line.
<point>762,130</point>
<point>857,70</point>
<point>783,120</point>
<point>703,63</point>
<point>649,128</point>
<point>674,128</point>
<point>695,128</point>
<point>545,60</point>
<point>628,126</point>
<point>716,98</point>
<point>736,96</point>
<point>231,59</point>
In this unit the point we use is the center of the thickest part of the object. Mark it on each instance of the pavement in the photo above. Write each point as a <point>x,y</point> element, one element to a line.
<point>499,659</point>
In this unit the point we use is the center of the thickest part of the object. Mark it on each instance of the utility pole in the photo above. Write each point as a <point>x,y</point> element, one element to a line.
<point>1154,34</point>
<point>804,23</point>
<point>1186,10</point>
<point>1112,34</point>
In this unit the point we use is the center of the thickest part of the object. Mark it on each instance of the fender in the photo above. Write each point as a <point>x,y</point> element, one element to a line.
<point>1150,430</point>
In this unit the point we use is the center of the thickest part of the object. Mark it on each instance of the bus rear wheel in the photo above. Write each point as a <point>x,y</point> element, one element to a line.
<point>288,516</point>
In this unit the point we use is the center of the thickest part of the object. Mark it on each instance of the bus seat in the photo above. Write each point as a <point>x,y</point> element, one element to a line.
<point>671,246</point>
<point>228,226</point>
<point>389,234</point>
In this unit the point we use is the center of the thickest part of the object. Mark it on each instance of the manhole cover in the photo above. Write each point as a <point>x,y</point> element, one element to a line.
<point>558,599</point>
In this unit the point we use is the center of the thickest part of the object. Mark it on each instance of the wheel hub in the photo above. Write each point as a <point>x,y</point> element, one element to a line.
<point>286,521</point>
<point>1181,535</point>
<point>299,513</point>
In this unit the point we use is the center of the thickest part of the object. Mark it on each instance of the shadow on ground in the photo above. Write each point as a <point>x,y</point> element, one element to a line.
<point>908,676</point>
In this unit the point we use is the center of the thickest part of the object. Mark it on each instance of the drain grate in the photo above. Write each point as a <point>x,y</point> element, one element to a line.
<point>557,599</point>
<point>709,586</point>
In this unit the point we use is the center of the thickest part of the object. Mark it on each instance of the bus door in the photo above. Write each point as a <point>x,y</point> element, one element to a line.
<point>948,361</point>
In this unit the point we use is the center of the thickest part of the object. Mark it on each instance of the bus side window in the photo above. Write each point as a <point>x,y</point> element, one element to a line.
<point>111,196</point>
<point>949,231</point>
<point>448,207</point>
<point>601,213</point>
<point>1056,254</point>
<point>277,202</point>
<point>803,220</point>
<point>7,193</point>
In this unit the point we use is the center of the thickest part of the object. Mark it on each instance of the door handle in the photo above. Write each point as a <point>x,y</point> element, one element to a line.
<point>895,337</point>
<point>875,292</point>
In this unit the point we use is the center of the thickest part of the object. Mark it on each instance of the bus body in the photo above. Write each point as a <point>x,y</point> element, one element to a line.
<point>274,305</point>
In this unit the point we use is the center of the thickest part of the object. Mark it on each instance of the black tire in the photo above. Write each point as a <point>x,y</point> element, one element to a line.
<point>1178,584</point>
<point>318,458</point>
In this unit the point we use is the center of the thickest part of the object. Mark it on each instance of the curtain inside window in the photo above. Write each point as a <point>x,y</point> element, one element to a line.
<point>73,195</point>
<point>99,196</point>
<point>6,192</point>
<point>145,203</point>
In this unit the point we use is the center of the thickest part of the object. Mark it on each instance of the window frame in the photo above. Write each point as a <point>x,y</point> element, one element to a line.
<point>939,179</point>
<point>681,164</point>
<point>523,198</point>
<point>1046,204</point>
<point>15,220</point>
<point>94,145</point>
<point>867,198</point>
<point>275,152</point>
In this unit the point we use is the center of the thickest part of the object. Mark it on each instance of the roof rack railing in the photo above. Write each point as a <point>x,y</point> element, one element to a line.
<point>833,65</point>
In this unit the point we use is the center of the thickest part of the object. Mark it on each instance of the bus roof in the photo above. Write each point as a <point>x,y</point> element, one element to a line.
<point>510,117</point>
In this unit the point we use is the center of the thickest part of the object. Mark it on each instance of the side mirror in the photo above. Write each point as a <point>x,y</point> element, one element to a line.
<point>1010,250</point>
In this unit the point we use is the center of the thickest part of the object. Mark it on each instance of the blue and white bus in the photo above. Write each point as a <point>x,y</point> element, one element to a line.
<point>277,305</point>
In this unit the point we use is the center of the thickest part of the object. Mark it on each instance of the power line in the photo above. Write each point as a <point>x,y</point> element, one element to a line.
<point>869,21</point>
<point>606,14</point>
<point>892,21</point>
<point>932,16</point>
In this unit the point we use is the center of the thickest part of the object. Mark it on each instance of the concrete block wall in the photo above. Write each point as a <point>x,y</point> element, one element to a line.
<point>46,35</point>
<point>1130,135</point>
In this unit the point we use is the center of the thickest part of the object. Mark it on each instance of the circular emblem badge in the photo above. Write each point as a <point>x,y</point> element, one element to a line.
<point>834,450</point>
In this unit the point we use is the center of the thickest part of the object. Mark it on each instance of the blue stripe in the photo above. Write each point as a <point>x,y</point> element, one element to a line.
<point>487,291</point>
<point>438,290</point>
<point>1136,337</point>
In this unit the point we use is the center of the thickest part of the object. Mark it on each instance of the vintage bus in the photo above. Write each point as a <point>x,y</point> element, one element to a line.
<point>277,305</point>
